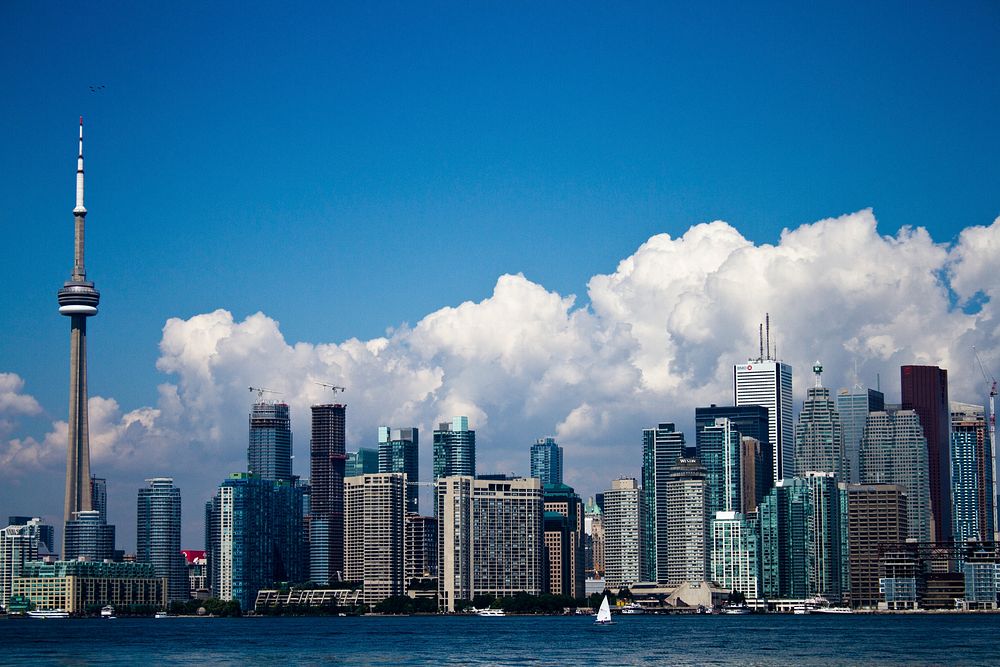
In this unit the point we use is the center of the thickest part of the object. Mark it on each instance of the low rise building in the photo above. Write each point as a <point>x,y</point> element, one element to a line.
<point>82,587</point>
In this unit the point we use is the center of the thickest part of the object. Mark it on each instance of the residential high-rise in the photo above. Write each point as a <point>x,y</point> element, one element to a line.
<point>87,537</point>
<point>374,511</point>
<point>269,453</point>
<point>971,473</point>
<point>454,449</point>
<point>768,382</point>
<point>158,534</point>
<point>751,422</point>
<point>894,451</point>
<point>566,540</point>
<point>99,497</point>
<point>489,538</point>
<point>18,545</point>
<point>46,533</point>
<point>622,521</point>
<point>925,390</point>
<point>819,437</point>
<point>687,523</point>
<point>399,451</point>
<point>78,300</point>
<point>326,476</point>
<point>662,447</point>
<point>420,549</point>
<point>719,452</point>
<point>736,553</point>
<point>547,461</point>
<point>804,539</point>
<point>362,462</point>
<point>876,519</point>
<point>853,405</point>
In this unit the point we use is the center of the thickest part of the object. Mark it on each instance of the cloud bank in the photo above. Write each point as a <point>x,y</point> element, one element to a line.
<point>656,338</point>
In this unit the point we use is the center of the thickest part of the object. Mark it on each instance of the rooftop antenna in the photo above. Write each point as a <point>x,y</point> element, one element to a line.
<point>878,382</point>
<point>767,330</point>
<point>760,334</point>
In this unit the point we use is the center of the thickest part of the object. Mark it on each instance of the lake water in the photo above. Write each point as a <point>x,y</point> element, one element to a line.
<point>636,640</point>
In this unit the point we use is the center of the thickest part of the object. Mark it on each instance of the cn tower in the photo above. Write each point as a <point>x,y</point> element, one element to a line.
<point>78,300</point>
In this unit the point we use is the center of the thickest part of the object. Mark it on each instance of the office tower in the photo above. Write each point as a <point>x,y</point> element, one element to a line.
<point>622,520</point>
<point>687,524</point>
<point>489,538</point>
<point>158,534</point>
<point>925,391</point>
<point>853,405</point>
<point>99,496</point>
<point>971,473</point>
<point>593,526</point>
<point>564,540</point>
<point>327,463</point>
<point>398,451</point>
<point>547,461</point>
<point>78,300</point>
<point>420,551</point>
<point>819,438</point>
<point>736,553</point>
<point>768,383</point>
<point>753,475</point>
<point>254,537</point>
<point>454,449</point>
<point>894,451</point>
<point>269,453</point>
<point>751,422</point>
<point>876,519</point>
<point>719,452</point>
<point>662,447</point>
<point>374,510</point>
<point>18,545</point>
<point>362,462</point>
<point>46,533</point>
<point>804,539</point>
<point>87,537</point>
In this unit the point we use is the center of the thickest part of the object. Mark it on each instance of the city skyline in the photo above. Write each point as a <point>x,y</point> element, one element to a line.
<point>293,236</point>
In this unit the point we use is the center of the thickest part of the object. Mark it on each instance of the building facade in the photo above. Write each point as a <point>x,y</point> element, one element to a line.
<point>561,500</point>
<point>269,452</point>
<point>374,545</point>
<point>768,383</point>
<point>365,461</point>
<point>971,473</point>
<point>925,391</point>
<point>853,405</point>
<point>736,553</point>
<point>662,447</point>
<point>819,436</point>
<point>327,460</point>
<point>18,545</point>
<point>750,421</point>
<point>622,529</point>
<point>88,537</point>
<point>547,461</point>
<point>398,451</point>
<point>82,587</point>
<point>158,535</point>
<point>876,519</point>
<point>719,452</point>
<point>688,539</point>
<point>454,449</point>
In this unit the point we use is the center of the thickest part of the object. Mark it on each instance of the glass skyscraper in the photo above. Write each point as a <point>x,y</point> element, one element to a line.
<point>853,405</point>
<point>718,448</point>
<point>547,461</point>
<point>454,449</point>
<point>398,451</point>
<point>269,454</point>
<point>362,462</point>
<point>768,382</point>
<point>158,534</point>
<point>751,422</point>
<point>971,473</point>
<point>89,537</point>
<point>819,437</point>
<point>924,390</point>
<point>662,447</point>
<point>326,501</point>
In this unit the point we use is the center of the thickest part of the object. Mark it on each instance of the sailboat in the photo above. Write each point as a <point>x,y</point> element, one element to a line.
<point>604,613</point>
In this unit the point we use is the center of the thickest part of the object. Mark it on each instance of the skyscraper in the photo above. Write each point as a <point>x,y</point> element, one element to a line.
<point>158,534</point>
<point>593,525</point>
<point>621,518</point>
<point>399,451</point>
<point>736,553</point>
<point>327,462</point>
<point>687,523</point>
<point>99,497</point>
<point>751,422</point>
<point>925,391</point>
<point>362,462</point>
<point>768,382</point>
<point>87,537</point>
<point>662,447</point>
<point>876,518</point>
<point>971,473</point>
<point>374,510</point>
<point>819,438</point>
<point>454,449</point>
<point>560,499</point>
<point>78,300</point>
<point>719,452</point>
<point>269,453</point>
<point>18,545</point>
<point>547,461</point>
<point>853,405</point>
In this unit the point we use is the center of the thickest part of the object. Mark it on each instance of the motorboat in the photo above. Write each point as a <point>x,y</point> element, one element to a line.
<point>633,608</point>
<point>48,614</point>
<point>162,614</point>
<point>832,610</point>
<point>491,612</point>
<point>108,612</point>
<point>736,609</point>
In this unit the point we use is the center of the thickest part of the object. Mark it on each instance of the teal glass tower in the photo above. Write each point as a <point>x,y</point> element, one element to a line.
<point>158,534</point>
<point>398,451</point>
<point>819,436</point>
<point>454,449</point>
<point>971,473</point>
<point>269,453</point>
<point>662,447</point>
<point>547,461</point>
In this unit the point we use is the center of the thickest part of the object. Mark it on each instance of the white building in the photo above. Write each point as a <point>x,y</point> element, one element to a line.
<point>374,512</point>
<point>621,520</point>
<point>768,382</point>
<point>18,545</point>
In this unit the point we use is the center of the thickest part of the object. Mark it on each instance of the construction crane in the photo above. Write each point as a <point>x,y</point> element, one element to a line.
<point>263,390</point>
<point>992,382</point>
<point>332,387</point>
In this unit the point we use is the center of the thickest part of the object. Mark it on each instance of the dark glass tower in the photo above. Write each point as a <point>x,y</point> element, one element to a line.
<point>925,391</point>
<point>547,461</point>
<point>327,461</point>
<point>454,449</point>
<point>269,453</point>
<point>158,534</point>
<point>752,422</point>
<point>398,450</point>
<point>662,447</point>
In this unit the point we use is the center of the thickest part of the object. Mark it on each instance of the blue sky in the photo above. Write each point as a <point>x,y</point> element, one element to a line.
<point>346,169</point>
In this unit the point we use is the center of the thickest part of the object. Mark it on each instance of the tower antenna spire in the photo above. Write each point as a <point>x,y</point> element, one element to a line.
<point>767,333</point>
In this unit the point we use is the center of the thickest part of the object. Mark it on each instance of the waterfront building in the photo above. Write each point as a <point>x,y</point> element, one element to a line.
<point>489,538</point>
<point>894,451</point>
<point>899,577</point>
<point>768,383</point>
<point>925,391</point>
<point>736,553</point>
<point>981,573</point>
<point>19,544</point>
<point>593,528</point>
<point>365,461</point>
<point>819,437</point>
<point>398,451</point>
<point>374,511</point>
<point>662,447</point>
<point>454,449</point>
<point>420,552</point>
<point>319,598</point>
<point>804,539</point>
<point>687,523</point>
<point>566,576</point>
<point>196,564</point>
<point>622,520</point>
<point>547,461</point>
<point>83,587</point>
<point>719,451</point>
<point>853,406</point>
<point>971,473</point>
<point>87,537</point>
<point>158,534</point>
<point>269,452</point>
<point>876,517</point>
<point>327,467</point>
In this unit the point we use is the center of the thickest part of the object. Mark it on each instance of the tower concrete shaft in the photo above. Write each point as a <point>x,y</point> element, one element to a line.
<point>78,300</point>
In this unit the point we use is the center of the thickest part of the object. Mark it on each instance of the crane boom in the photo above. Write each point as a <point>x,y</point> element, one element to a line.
<point>992,382</point>
<point>332,387</point>
<point>263,390</point>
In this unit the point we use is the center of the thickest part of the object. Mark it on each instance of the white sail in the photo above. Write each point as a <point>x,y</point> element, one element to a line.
<point>604,613</point>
